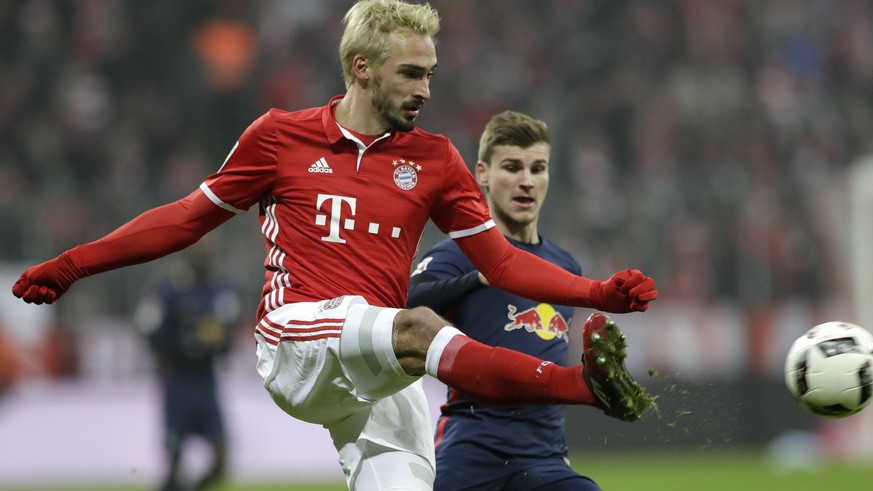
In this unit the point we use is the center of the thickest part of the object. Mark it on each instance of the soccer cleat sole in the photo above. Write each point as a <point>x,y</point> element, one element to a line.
<point>605,351</point>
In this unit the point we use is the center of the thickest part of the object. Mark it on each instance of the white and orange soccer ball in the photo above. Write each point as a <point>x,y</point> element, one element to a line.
<point>829,370</point>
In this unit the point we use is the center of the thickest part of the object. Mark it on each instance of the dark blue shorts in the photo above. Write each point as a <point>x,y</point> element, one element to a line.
<point>543,474</point>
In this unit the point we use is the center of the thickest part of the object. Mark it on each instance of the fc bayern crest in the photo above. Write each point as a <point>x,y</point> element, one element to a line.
<point>333,303</point>
<point>405,177</point>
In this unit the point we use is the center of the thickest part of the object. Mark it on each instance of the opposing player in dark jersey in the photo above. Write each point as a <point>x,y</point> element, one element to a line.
<point>478,446</point>
<point>344,192</point>
<point>188,320</point>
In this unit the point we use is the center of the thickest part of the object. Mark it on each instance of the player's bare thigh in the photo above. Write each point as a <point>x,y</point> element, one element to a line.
<point>414,330</point>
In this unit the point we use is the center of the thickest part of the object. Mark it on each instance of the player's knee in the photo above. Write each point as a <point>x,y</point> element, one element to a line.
<point>420,323</point>
<point>414,329</point>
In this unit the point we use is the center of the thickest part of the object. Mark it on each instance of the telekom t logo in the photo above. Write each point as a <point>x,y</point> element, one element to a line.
<point>334,213</point>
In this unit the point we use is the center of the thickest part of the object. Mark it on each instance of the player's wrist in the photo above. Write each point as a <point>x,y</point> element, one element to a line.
<point>586,289</point>
<point>70,265</point>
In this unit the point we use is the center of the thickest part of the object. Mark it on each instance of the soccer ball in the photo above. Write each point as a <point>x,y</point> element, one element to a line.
<point>829,370</point>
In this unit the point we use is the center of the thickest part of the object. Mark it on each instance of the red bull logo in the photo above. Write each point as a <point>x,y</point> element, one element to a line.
<point>543,320</point>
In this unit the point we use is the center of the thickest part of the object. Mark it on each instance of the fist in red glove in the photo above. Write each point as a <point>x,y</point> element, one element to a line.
<point>626,291</point>
<point>47,282</point>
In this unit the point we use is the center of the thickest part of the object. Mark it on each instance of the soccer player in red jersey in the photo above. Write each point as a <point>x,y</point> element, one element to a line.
<point>344,192</point>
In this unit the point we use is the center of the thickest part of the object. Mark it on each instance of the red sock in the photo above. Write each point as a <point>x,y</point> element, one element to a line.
<point>504,377</point>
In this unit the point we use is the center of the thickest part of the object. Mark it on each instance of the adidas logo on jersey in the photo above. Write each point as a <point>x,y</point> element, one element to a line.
<point>321,167</point>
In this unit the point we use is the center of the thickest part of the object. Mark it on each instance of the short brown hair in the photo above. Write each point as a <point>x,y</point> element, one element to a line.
<point>511,128</point>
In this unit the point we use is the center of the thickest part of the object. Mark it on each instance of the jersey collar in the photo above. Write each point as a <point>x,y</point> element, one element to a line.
<point>328,119</point>
<point>332,127</point>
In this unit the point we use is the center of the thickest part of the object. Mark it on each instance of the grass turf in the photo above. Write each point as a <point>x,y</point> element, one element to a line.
<point>668,470</point>
<point>716,471</point>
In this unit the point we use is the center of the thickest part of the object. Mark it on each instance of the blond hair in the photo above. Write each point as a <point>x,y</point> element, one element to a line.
<point>514,129</point>
<point>369,23</point>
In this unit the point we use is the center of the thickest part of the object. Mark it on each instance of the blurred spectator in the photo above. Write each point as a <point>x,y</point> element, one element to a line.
<point>189,321</point>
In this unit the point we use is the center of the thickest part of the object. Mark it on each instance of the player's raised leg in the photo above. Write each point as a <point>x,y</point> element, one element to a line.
<point>493,375</point>
<point>503,377</point>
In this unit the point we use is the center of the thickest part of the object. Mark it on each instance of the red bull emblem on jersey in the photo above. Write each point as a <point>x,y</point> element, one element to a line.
<point>405,174</point>
<point>543,320</point>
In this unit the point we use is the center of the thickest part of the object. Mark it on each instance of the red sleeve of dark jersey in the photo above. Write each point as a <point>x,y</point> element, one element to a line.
<point>512,269</point>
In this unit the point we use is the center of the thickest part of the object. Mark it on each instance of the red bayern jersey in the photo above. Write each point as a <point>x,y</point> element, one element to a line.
<point>340,218</point>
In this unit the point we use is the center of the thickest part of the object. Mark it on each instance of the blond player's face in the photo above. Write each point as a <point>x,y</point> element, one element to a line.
<point>516,183</point>
<point>401,84</point>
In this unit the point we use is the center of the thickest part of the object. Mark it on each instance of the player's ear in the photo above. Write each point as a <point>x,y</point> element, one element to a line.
<point>482,173</point>
<point>361,67</point>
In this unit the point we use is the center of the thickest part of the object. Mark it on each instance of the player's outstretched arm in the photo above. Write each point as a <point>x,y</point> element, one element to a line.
<point>522,273</point>
<point>153,234</point>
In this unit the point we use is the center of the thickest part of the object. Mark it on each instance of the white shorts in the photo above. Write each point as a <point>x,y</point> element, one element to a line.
<point>332,363</point>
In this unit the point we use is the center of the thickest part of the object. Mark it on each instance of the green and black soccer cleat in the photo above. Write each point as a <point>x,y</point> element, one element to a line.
<point>605,350</point>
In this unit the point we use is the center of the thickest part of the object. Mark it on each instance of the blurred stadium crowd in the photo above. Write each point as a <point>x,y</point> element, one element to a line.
<point>700,141</point>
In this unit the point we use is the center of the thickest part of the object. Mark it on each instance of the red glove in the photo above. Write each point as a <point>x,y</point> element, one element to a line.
<point>626,291</point>
<point>47,282</point>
